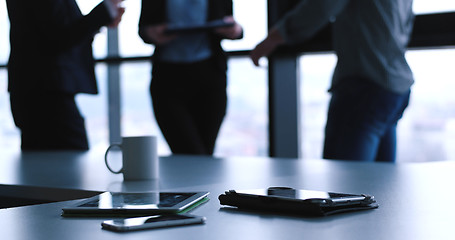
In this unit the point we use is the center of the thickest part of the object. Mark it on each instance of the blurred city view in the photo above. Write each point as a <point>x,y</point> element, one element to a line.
<point>426,132</point>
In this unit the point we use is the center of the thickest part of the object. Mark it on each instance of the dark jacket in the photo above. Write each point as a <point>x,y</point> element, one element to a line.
<point>154,12</point>
<point>51,46</point>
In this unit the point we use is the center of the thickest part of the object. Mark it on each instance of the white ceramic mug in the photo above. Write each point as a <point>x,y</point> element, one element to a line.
<point>139,158</point>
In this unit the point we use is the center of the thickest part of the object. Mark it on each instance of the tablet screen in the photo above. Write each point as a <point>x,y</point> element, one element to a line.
<point>136,200</point>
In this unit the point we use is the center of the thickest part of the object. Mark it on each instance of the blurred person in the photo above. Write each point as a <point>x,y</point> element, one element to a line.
<point>50,62</point>
<point>188,87</point>
<point>371,84</point>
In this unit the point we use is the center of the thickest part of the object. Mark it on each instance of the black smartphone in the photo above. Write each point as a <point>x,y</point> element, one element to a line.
<point>317,197</point>
<point>150,222</point>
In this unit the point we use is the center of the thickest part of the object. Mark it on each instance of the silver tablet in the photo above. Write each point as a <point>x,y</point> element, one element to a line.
<point>171,29</point>
<point>136,204</point>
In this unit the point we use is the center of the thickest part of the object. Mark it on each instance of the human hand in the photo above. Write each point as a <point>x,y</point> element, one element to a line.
<point>120,11</point>
<point>231,32</point>
<point>267,46</point>
<point>158,35</point>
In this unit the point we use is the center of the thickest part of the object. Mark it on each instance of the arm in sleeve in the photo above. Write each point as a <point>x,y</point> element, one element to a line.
<point>62,32</point>
<point>307,18</point>
<point>152,13</point>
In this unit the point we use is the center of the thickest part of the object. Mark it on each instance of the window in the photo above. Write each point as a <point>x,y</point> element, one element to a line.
<point>427,129</point>
<point>429,121</point>
<point>435,6</point>
<point>244,131</point>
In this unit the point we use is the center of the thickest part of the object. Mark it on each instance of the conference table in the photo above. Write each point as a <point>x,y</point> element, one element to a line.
<point>416,200</point>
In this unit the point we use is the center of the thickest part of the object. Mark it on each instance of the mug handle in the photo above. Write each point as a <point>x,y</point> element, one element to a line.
<point>105,158</point>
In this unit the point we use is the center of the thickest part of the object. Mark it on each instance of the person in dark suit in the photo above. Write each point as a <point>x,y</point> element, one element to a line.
<point>188,85</point>
<point>50,62</point>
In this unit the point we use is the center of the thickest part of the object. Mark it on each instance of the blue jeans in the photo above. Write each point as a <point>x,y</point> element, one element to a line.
<point>362,120</point>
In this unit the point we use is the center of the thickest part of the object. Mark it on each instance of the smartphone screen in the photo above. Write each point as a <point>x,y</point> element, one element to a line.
<point>290,193</point>
<point>156,221</point>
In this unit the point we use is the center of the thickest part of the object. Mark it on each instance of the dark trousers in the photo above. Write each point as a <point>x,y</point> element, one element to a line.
<point>189,103</point>
<point>48,121</point>
<point>362,120</point>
